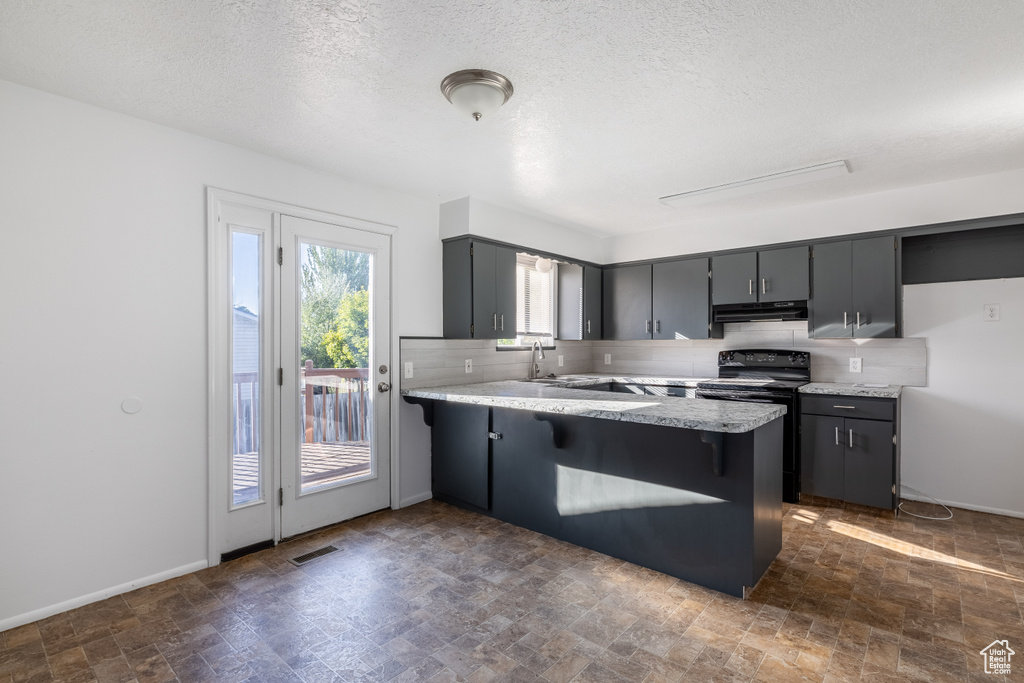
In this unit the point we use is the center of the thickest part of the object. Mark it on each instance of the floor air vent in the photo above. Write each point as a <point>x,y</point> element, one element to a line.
<point>310,556</point>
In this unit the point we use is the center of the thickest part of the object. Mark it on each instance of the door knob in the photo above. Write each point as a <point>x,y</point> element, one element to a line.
<point>383,387</point>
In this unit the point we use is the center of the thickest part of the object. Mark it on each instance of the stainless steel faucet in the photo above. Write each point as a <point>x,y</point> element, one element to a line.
<point>536,354</point>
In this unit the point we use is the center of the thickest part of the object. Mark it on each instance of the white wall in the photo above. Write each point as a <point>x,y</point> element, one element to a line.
<point>977,197</point>
<point>103,296</point>
<point>962,434</point>
<point>472,216</point>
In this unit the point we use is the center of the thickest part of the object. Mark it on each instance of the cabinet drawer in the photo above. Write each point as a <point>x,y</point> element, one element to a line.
<point>847,406</point>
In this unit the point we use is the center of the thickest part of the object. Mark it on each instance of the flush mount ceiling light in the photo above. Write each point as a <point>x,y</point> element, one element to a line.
<point>773,181</point>
<point>476,92</point>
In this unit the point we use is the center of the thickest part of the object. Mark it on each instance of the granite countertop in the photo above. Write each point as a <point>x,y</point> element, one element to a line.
<point>859,390</point>
<point>666,411</point>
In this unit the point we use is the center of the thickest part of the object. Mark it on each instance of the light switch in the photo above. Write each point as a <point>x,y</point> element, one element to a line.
<point>408,369</point>
<point>607,359</point>
<point>561,360</point>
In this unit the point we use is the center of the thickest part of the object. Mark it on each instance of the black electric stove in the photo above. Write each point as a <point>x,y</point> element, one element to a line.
<point>766,376</point>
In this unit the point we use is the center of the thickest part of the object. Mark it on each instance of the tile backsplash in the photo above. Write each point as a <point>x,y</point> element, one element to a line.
<point>885,361</point>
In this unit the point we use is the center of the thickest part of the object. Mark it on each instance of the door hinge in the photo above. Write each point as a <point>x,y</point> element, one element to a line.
<point>280,377</point>
<point>895,244</point>
<point>709,274</point>
<point>893,439</point>
<point>471,250</point>
<point>280,256</point>
<point>471,330</point>
<point>280,497</point>
<point>494,436</point>
<point>812,253</point>
<point>894,489</point>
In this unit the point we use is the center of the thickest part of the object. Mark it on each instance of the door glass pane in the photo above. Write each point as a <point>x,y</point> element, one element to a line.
<point>245,361</point>
<point>335,403</point>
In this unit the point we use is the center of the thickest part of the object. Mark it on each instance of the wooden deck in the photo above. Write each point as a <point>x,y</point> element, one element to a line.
<point>322,463</point>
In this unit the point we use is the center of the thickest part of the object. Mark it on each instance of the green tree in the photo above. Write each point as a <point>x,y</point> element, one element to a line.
<point>328,275</point>
<point>348,344</point>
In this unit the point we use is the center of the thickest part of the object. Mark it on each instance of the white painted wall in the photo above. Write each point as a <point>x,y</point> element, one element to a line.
<point>977,197</point>
<point>962,433</point>
<point>472,216</point>
<point>103,296</point>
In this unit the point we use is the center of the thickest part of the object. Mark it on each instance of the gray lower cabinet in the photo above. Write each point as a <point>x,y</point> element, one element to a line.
<point>669,300</point>
<point>461,460</point>
<point>762,276</point>
<point>849,449</point>
<point>479,298</point>
<point>854,289</point>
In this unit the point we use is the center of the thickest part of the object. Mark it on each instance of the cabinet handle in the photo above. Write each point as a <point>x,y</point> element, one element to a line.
<point>764,286</point>
<point>647,324</point>
<point>657,326</point>
<point>845,323</point>
<point>847,407</point>
<point>588,327</point>
<point>494,325</point>
<point>502,322</point>
<point>858,320</point>
<point>851,438</point>
<point>837,436</point>
<point>750,286</point>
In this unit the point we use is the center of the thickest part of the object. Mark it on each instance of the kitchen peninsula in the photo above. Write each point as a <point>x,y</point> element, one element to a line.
<point>687,487</point>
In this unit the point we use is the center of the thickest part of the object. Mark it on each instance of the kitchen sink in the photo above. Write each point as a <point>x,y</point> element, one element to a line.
<point>545,380</point>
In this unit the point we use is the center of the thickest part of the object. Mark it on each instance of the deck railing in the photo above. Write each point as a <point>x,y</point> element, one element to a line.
<point>334,405</point>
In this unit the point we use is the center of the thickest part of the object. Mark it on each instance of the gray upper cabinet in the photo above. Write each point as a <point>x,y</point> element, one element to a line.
<point>579,302</point>
<point>668,300</point>
<point>592,278</point>
<point>765,276</point>
<point>854,289</point>
<point>680,294</point>
<point>627,303</point>
<point>479,281</point>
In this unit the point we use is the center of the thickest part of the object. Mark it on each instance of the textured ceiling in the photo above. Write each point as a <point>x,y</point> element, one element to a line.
<point>615,105</point>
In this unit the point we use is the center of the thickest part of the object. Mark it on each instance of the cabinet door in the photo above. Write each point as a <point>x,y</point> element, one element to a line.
<point>591,302</point>
<point>460,462</point>
<point>570,301</point>
<point>484,303</point>
<point>783,274</point>
<point>680,299</point>
<point>457,296</point>
<point>830,300</point>
<point>868,471</point>
<point>505,292</point>
<point>874,287</point>
<point>734,278</point>
<point>821,456</point>
<point>627,303</point>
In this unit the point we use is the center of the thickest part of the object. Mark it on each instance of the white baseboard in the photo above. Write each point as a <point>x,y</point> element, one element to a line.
<point>418,498</point>
<point>966,506</point>
<point>42,613</point>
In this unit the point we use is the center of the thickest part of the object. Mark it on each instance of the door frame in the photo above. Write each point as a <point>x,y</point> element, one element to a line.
<point>217,353</point>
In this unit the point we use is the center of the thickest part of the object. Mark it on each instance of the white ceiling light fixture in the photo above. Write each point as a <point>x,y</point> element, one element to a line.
<point>476,92</point>
<point>773,181</point>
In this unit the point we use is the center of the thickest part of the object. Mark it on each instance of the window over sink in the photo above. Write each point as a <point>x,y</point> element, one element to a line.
<point>536,283</point>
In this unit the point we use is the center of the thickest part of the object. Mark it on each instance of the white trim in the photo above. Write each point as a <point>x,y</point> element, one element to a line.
<point>44,612</point>
<point>418,498</point>
<point>300,212</point>
<point>965,506</point>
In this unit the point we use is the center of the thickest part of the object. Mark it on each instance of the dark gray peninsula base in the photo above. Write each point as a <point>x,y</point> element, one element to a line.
<point>699,505</point>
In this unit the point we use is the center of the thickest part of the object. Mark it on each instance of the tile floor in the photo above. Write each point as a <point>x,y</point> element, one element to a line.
<point>434,593</point>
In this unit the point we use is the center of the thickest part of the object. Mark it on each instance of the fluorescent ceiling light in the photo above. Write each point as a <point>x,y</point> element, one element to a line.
<point>773,181</point>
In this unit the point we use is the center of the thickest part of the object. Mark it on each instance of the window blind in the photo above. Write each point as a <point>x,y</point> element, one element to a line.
<point>534,297</point>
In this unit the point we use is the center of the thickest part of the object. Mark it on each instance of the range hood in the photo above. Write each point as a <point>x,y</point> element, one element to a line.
<point>744,313</point>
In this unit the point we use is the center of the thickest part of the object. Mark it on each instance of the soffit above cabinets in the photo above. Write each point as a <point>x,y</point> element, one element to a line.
<point>616,103</point>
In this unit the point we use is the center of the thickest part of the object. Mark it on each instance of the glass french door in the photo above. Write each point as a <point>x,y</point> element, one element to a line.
<point>299,319</point>
<point>335,332</point>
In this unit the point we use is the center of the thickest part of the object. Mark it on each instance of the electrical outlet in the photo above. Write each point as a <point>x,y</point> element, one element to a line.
<point>469,365</point>
<point>408,369</point>
<point>607,359</point>
<point>856,365</point>
<point>990,313</point>
<point>561,360</point>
